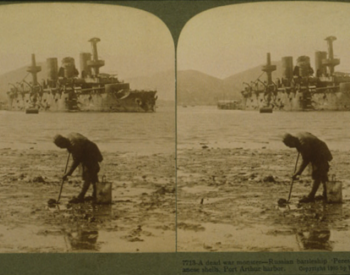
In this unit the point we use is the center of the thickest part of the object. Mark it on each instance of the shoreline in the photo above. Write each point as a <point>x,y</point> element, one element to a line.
<point>141,217</point>
<point>227,201</point>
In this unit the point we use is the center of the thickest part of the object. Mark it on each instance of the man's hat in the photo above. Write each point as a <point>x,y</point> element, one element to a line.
<point>287,137</point>
<point>58,139</point>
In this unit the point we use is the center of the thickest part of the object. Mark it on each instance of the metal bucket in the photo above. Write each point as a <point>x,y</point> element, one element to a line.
<point>104,191</point>
<point>334,191</point>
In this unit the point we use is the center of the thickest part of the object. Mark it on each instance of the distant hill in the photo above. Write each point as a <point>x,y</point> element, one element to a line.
<point>233,84</point>
<point>18,75</point>
<point>197,88</point>
<point>163,82</point>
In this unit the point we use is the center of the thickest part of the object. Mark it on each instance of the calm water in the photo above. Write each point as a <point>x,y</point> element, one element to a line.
<point>146,133</point>
<point>250,129</point>
<point>141,133</point>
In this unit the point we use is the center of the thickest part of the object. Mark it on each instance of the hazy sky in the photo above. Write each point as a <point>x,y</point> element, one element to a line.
<point>230,39</point>
<point>133,42</point>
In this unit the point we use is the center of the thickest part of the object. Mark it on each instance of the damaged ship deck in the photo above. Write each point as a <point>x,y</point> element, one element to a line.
<point>298,89</point>
<point>64,90</point>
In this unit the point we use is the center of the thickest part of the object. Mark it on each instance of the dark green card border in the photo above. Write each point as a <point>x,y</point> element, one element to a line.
<point>175,263</point>
<point>174,14</point>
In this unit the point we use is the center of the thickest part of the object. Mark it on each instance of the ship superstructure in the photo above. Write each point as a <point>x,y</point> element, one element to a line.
<point>64,89</point>
<point>301,87</point>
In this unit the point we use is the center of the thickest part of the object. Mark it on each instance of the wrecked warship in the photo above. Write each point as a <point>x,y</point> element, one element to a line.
<point>301,88</point>
<point>65,90</point>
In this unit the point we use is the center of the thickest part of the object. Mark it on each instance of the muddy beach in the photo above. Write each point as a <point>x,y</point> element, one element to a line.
<point>141,217</point>
<point>227,201</point>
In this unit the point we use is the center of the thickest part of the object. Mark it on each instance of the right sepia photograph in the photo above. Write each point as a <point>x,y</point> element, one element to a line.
<point>263,150</point>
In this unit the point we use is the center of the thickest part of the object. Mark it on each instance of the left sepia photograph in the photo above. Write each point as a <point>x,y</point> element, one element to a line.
<point>87,126</point>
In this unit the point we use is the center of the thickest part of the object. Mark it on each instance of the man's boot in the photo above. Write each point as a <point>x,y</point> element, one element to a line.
<point>85,188</point>
<point>82,193</point>
<point>311,196</point>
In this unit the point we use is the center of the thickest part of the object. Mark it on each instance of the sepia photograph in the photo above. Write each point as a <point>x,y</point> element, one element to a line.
<point>263,97</point>
<point>87,118</point>
<point>175,137</point>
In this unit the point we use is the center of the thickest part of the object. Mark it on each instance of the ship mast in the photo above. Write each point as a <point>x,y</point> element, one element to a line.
<point>34,69</point>
<point>331,62</point>
<point>95,63</point>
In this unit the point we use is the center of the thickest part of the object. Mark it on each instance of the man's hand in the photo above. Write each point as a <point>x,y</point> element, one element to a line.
<point>64,178</point>
<point>295,176</point>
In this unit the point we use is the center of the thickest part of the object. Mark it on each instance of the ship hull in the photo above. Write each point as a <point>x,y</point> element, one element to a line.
<point>337,101</point>
<point>98,102</point>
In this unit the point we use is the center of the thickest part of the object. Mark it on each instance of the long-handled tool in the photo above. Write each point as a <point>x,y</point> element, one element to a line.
<point>65,171</point>
<point>53,201</point>
<point>291,185</point>
<point>283,202</point>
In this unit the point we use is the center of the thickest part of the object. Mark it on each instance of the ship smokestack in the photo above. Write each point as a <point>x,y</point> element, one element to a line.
<point>320,68</point>
<point>303,62</point>
<point>84,68</point>
<point>68,66</point>
<point>52,69</point>
<point>287,67</point>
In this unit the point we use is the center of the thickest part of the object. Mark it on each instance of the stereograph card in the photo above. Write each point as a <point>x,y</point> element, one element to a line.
<point>174,137</point>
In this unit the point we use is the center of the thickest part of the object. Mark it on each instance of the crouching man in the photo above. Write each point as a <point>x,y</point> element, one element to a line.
<point>84,152</point>
<point>316,152</point>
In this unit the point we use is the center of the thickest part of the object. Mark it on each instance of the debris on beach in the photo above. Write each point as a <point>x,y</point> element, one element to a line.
<point>269,178</point>
<point>245,193</point>
<point>28,211</point>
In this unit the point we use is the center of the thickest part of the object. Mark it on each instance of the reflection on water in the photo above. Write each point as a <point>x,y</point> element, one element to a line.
<point>314,223</point>
<point>83,235</point>
<point>83,239</point>
<point>102,212</point>
<point>315,239</point>
<point>317,235</point>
